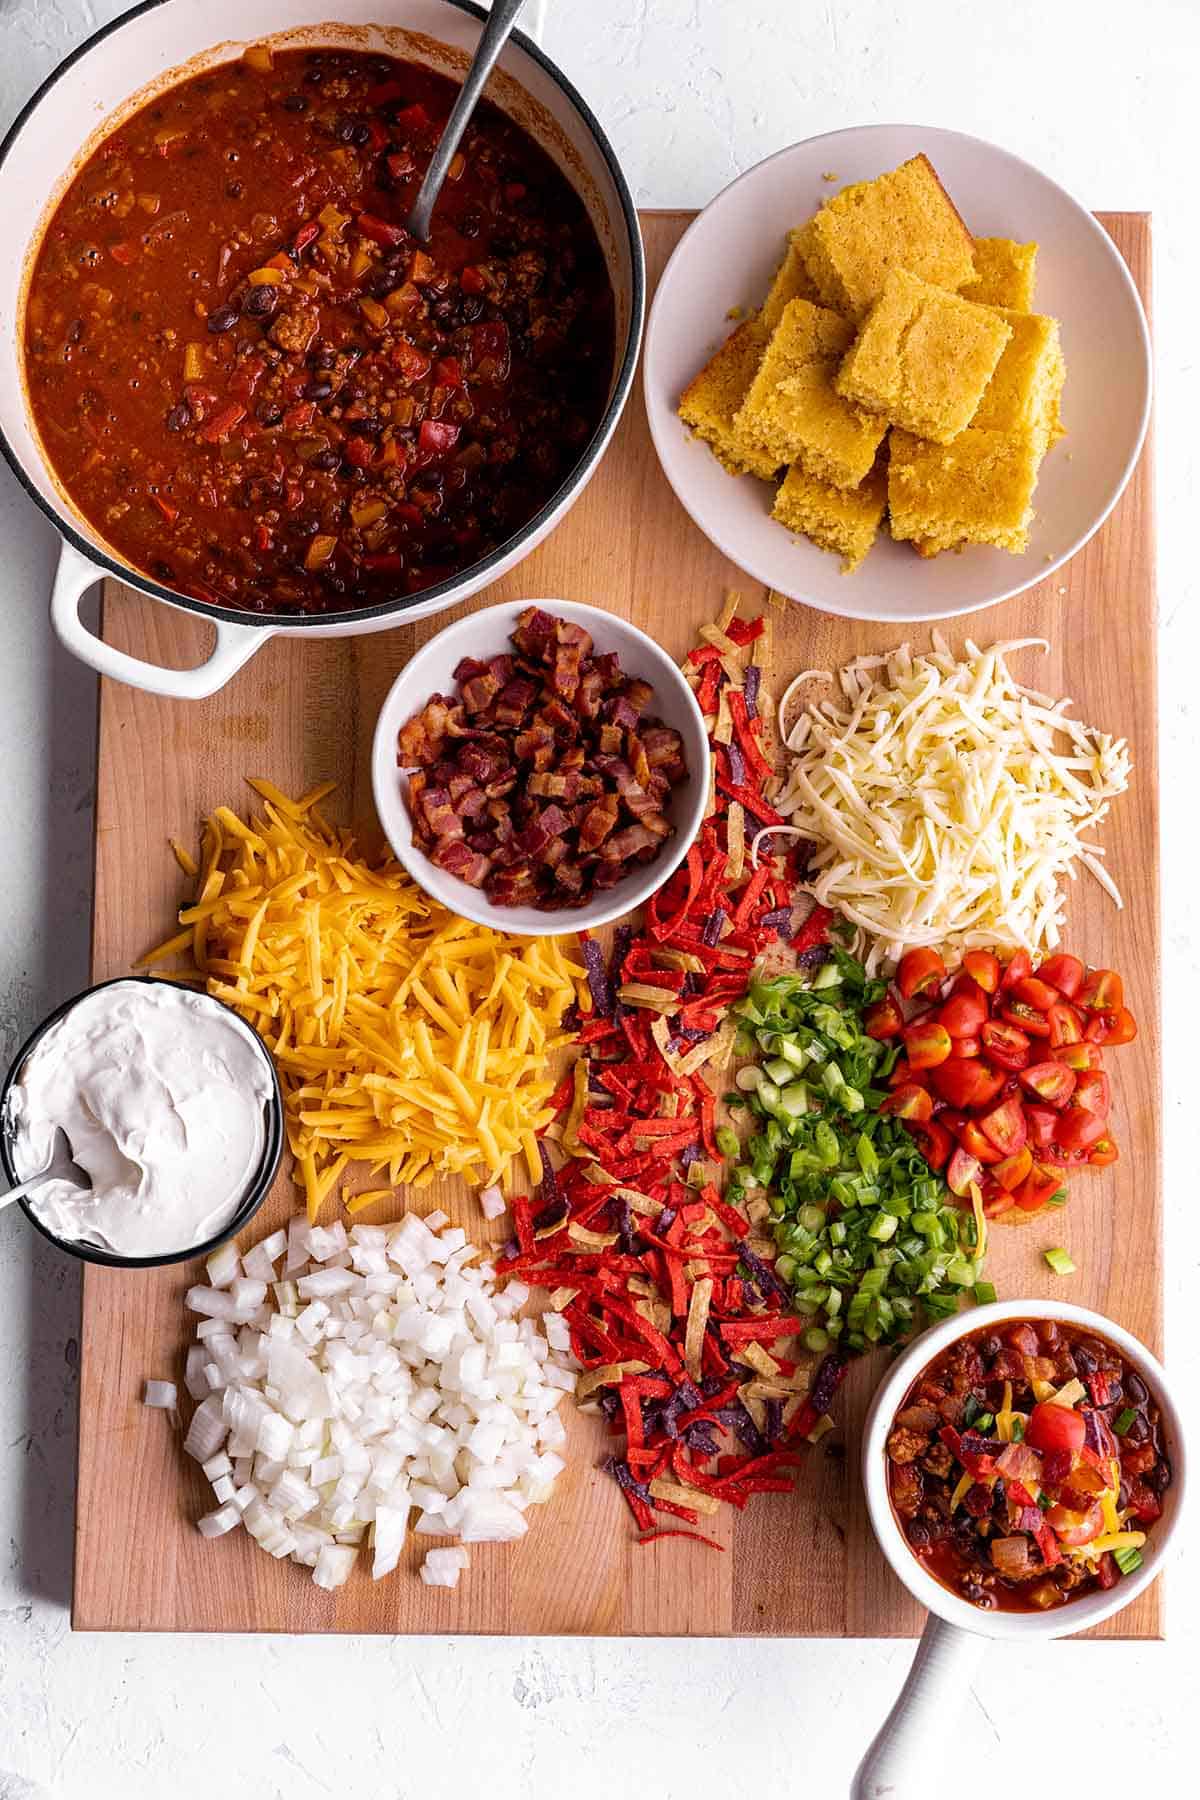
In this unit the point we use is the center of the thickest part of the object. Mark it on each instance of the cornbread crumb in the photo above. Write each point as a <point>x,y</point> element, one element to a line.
<point>1004,274</point>
<point>710,401</point>
<point>1023,392</point>
<point>842,520</point>
<point>904,219</point>
<point>793,408</point>
<point>978,490</point>
<point>923,357</point>
<point>792,282</point>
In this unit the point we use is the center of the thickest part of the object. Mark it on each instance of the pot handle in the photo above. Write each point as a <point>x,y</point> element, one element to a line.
<point>913,1741</point>
<point>235,644</point>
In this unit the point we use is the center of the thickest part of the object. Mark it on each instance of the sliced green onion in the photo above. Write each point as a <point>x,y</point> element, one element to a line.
<point>1018,1430</point>
<point>728,1142</point>
<point>1124,1420</point>
<point>985,1293</point>
<point>1059,1261</point>
<point>816,1340</point>
<point>1057,1199</point>
<point>1128,1559</point>
<point>748,1078</point>
<point>985,1421</point>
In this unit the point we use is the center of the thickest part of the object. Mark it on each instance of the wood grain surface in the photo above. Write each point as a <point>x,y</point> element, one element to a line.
<point>799,1565</point>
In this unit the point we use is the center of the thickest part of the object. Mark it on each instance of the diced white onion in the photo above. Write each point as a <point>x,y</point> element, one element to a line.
<point>161,1393</point>
<point>492,1202</point>
<point>216,1524</point>
<point>224,1265</point>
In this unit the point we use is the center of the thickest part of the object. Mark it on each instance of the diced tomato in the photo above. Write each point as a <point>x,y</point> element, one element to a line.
<point>1066,1026</point>
<point>1102,991</point>
<point>968,1046</point>
<point>1103,1153</point>
<point>1092,1092</point>
<point>471,281</point>
<point>389,237</point>
<point>964,1173</point>
<point>1077,1056</point>
<point>1145,1503</point>
<point>436,436</point>
<point>964,1012</point>
<point>1040,1185</point>
<point>1025,1017</point>
<point>123,253</point>
<point>1005,1126</point>
<point>1032,992</point>
<point>883,1020</point>
<point>1075,1528</point>
<point>926,1044</point>
<point>919,971</point>
<point>1064,973</point>
<point>1041,1121</point>
<point>983,966</point>
<point>1020,964</point>
<point>359,452</point>
<point>300,416</point>
<point>1051,1082</point>
<point>1005,1045</point>
<point>977,1143</point>
<point>1054,1427</point>
<point>1078,1129</point>
<point>911,1103</point>
<point>448,372</point>
<point>1013,1170</point>
<point>933,1141</point>
<point>966,1081</point>
<point>222,423</point>
<point>410,361</point>
<point>1116,1027</point>
<point>170,513</point>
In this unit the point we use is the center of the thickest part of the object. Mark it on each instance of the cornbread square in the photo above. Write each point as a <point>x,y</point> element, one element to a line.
<point>843,520</point>
<point>716,394</point>
<point>792,282</point>
<point>1023,393</point>
<point>793,407</point>
<point>977,490</point>
<point>904,220</point>
<point>1004,274</point>
<point>923,357</point>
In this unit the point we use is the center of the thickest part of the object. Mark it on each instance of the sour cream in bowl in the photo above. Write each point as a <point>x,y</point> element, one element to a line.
<point>172,1106</point>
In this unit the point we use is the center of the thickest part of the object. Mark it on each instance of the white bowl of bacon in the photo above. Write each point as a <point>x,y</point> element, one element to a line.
<point>545,783</point>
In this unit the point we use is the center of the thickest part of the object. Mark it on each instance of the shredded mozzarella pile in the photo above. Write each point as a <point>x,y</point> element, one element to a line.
<point>381,1373</point>
<point>946,800</point>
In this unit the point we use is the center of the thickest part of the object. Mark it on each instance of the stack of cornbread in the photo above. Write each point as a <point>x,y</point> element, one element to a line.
<point>894,367</point>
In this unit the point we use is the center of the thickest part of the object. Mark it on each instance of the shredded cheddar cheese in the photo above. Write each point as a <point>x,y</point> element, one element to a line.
<point>407,1040</point>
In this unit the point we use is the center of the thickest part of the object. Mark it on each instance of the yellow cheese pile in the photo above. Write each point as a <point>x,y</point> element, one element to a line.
<point>405,1038</point>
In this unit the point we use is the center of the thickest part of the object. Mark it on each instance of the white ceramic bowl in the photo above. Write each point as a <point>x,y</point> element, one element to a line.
<point>726,259</point>
<point>904,1759</point>
<point>483,634</point>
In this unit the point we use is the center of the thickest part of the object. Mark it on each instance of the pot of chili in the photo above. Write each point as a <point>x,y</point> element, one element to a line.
<point>232,378</point>
<point>1024,1471</point>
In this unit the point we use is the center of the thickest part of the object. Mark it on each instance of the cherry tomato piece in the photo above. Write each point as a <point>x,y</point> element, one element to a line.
<point>1092,1092</point>
<point>910,1103</point>
<point>1054,1427</point>
<point>1051,1082</point>
<point>1005,1045</point>
<point>1077,1056</point>
<point>1078,1129</point>
<point>1020,964</point>
<point>1025,1017</point>
<point>1013,1170</point>
<point>926,1044</point>
<point>1041,1121</point>
<point>1040,1185</point>
<point>883,1020</point>
<point>983,966</point>
<point>1066,1026</point>
<point>1102,991</point>
<point>1064,973</point>
<point>1032,992</point>
<point>1102,1153</point>
<point>1005,1126</point>
<point>964,1173</point>
<point>969,1046</point>
<point>964,1012</point>
<point>977,1144</point>
<point>1116,1027</point>
<point>900,1074</point>
<point>964,1081</point>
<point>933,1141</point>
<point>1075,1528</point>
<point>919,971</point>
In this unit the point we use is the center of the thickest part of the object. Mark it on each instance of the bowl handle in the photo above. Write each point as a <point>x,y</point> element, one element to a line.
<point>235,644</point>
<point>913,1741</point>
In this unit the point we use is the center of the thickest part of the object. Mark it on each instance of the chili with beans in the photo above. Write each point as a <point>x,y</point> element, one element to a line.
<point>259,389</point>
<point>1026,1465</point>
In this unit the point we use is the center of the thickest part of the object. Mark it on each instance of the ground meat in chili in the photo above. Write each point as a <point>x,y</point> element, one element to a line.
<point>259,389</point>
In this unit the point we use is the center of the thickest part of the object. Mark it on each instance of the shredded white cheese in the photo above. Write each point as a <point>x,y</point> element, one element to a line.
<point>947,801</point>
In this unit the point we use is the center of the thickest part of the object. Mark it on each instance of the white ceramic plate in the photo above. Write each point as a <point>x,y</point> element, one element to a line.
<point>484,634</point>
<point>726,259</point>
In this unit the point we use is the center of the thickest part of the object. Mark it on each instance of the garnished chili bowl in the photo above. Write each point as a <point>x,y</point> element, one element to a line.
<point>1118,1400</point>
<point>480,649</point>
<point>306,423</point>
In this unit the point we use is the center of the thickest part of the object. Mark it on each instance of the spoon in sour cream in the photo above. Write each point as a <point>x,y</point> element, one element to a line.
<point>61,1166</point>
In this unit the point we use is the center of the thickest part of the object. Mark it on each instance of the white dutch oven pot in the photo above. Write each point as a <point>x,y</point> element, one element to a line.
<point>158,44</point>
<point>908,1759</point>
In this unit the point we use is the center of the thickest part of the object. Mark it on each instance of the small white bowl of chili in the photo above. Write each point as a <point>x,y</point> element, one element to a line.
<point>480,637</point>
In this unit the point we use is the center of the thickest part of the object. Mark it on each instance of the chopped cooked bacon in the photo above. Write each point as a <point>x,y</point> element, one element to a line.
<point>544,778</point>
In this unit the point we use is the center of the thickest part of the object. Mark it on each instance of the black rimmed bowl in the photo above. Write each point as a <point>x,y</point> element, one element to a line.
<point>256,1192</point>
<point>151,48</point>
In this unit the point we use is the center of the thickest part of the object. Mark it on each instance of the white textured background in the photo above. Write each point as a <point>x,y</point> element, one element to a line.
<point>1102,95</point>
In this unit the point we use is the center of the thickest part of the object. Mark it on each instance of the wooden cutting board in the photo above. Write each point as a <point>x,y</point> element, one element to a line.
<point>798,1565</point>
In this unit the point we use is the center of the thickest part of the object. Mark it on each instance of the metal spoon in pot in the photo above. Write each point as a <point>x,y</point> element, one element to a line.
<point>496,33</point>
<point>61,1166</point>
